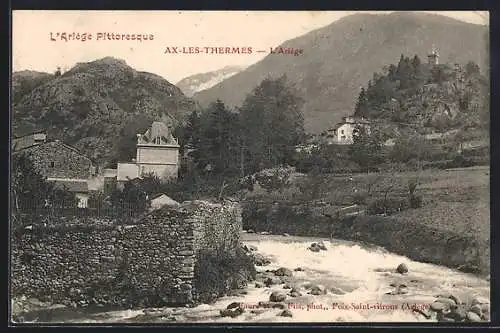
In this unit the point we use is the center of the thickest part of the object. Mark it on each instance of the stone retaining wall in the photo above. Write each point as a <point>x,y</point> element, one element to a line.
<point>150,263</point>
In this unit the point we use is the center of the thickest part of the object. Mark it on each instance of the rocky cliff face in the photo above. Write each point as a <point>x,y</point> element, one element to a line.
<point>96,104</point>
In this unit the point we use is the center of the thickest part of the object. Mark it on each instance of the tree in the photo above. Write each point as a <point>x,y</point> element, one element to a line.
<point>410,147</point>
<point>441,74</point>
<point>218,142</point>
<point>31,191</point>
<point>131,200</point>
<point>367,147</point>
<point>274,124</point>
<point>127,139</point>
<point>472,69</point>
<point>361,109</point>
<point>404,72</point>
<point>57,73</point>
<point>313,186</point>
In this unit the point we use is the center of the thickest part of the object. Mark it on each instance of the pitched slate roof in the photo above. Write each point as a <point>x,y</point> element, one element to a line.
<point>80,186</point>
<point>52,143</point>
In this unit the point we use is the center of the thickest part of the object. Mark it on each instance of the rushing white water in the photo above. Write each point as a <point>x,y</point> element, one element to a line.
<point>363,274</point>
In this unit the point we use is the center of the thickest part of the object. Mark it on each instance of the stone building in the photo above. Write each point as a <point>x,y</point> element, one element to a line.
<point>58,162</point>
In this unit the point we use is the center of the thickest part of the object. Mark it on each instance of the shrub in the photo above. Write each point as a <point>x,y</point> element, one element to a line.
<point>459,161</point>
<point>274,179</point>
<point>359,198</point>
<point>217,272</point>
<point>387,206</point>
<point>415,201</point>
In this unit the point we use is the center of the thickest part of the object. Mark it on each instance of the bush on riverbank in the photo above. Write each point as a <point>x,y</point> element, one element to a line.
<point>216,274</point>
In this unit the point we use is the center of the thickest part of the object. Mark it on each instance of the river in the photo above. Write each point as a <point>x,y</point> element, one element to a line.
<point>361,277</point>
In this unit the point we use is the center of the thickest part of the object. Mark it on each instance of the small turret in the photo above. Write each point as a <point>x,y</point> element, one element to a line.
<point>433,57</point>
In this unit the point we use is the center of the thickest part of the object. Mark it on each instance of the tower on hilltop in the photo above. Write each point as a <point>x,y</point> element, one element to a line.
<point>433,57</point>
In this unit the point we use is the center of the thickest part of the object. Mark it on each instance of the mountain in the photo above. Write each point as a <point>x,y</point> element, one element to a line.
<point>97,106</point>
<point>25,81</point>
<point>340,58</point>
<point>199,82</point>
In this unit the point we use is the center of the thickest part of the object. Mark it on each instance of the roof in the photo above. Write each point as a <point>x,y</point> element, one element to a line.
<point>157,130</point>
<point>162,199</point>
<point>350,120</point>
<point>157,195</point>
<point>54,143</point>
<point>127,171</point>
<point>28,133</point>
<point>72,185</point>
<point>29,140</point>
<point>110,173</point>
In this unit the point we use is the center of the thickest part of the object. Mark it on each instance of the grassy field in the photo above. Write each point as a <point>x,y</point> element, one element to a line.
<point>456,200</point>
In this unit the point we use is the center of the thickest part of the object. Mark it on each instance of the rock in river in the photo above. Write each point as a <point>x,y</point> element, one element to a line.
<point>277,296</point>
<point>272,280</point>
<point>261,260</point>
<point>316,290</point>
<point>476,308</point>
<point>402,269</point>
<point>286,313</point>
<point>438,306</point>
<point>314,247</point>
<point>471,316</point>
<point>282,271</point>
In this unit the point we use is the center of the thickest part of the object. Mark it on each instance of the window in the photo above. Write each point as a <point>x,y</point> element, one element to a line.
<point>342,132</point>
<point>52,164</point>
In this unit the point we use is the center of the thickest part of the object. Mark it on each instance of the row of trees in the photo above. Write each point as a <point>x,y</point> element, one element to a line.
<point>260,134</point>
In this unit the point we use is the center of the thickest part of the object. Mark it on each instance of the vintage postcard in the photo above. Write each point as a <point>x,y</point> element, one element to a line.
<point>247,167</point>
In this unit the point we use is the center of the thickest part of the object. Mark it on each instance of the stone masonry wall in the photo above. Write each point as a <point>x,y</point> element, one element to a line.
<point>217,226</point>
<point>55,159</point>
<point>150,263</point>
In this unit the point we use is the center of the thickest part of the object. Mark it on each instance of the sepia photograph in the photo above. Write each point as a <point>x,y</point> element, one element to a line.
<point>243,167</point>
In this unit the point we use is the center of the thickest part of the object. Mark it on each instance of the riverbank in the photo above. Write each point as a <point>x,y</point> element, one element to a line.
<point>451,228</point>
<point>299,285</point>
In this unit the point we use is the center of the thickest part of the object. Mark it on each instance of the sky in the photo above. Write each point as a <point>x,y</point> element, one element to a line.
<point>37,42</point>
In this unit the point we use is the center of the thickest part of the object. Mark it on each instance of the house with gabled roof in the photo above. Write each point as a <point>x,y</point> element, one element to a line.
<point>343,132</point>
<point>60,163</point>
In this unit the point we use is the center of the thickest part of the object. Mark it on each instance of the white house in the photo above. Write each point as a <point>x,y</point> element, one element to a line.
<point>343,132</point>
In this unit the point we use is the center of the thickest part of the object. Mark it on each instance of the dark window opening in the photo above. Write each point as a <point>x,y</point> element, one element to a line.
<point>52,164</point>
